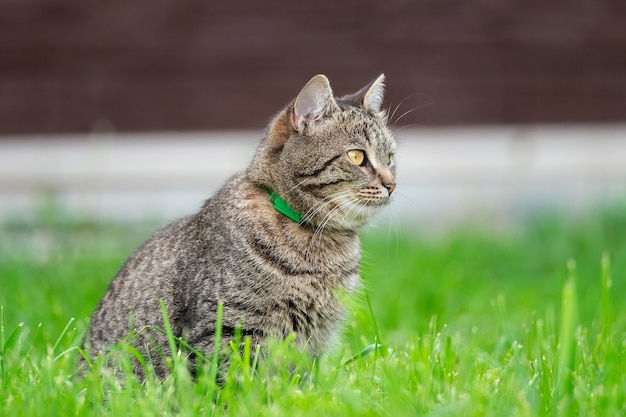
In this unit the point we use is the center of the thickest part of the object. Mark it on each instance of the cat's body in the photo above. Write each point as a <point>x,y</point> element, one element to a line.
<point>274,276</point>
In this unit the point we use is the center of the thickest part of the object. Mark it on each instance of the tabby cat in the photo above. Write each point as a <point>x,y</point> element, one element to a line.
<point>276,244</point>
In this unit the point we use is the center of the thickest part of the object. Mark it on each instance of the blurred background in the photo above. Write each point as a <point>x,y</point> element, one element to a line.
<point>122,110</point>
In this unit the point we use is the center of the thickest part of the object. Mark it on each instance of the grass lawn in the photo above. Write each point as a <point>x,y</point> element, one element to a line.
<point>521,323</point>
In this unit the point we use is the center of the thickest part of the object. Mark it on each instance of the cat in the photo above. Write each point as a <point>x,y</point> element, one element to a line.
<point>276,244</point>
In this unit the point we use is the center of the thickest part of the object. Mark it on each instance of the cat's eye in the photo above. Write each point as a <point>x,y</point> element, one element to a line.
<point>389,157</point>
<point>357,156</point>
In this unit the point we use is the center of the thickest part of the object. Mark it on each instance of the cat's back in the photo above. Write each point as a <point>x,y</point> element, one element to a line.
<point>143,280</point>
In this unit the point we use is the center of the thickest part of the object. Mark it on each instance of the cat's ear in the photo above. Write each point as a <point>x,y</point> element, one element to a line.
<point>373,99</point>
<point>314,101</point>
<point>369,97</point>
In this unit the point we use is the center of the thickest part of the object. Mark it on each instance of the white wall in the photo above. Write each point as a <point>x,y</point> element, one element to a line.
<point>484,174</point>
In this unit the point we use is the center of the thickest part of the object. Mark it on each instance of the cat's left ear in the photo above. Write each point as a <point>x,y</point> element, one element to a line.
<point>371,96</point>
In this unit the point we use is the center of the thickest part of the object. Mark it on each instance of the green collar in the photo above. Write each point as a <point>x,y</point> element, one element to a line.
<point>281,206</point>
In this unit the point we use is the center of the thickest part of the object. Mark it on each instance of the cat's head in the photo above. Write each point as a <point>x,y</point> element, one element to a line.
<point>331,159</point>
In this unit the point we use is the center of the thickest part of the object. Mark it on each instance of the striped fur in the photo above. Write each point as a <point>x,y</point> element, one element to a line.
<point>274,276</point>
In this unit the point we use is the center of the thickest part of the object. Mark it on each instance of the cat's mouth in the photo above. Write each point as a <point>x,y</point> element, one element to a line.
<point>375,202</point>
<point>372,196</point>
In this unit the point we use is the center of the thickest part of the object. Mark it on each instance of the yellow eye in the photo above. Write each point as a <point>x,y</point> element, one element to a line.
<point>389,156</point>
<point>357,156</point>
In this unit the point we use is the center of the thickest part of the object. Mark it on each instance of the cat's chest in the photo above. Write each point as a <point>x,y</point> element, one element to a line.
<point>285,267</point>
<point>326,260</point>
<point>311,307</point>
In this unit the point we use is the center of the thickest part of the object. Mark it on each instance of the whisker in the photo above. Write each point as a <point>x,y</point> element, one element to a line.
<point>348,210</point>
<point>320,229</point>
<point>328,215</point>
<point>393,98</point>
<point>395,221</point>
<point>407,198</point>
<point>401,128</point>
<point>403,101</point>
<point>413,109</point>
<point>297,185</point>
<point>323,203</point>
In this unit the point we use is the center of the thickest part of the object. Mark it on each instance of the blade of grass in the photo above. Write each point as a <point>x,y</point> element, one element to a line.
<point>255,360</point>
<point>6,344</point>
<point>216,351</point>
<point>247,350</point>
<point>12,338</point>
<point>181,342</point>
<point>66,352</point>
<point>135,353</point>
<point>63,333</point>
<point>363,353</point>
<point>170,338</point>
<point>371,311</point>
<point>606,307</point>
<point>2,329</point>
<point>566,348</point>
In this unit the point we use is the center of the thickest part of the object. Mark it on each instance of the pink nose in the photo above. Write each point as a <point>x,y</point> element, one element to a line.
<point>390,186</point>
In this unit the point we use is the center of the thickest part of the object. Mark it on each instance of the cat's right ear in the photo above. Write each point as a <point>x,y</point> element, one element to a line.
<point>314,101</point>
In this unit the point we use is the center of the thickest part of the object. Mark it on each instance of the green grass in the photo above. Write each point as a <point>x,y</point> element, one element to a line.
<point>528,322</point>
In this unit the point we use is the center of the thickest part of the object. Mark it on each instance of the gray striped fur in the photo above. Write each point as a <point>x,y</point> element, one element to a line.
<point>273,275</point>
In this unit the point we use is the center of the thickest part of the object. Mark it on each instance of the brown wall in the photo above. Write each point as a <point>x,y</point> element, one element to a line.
<point>75,66</point>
